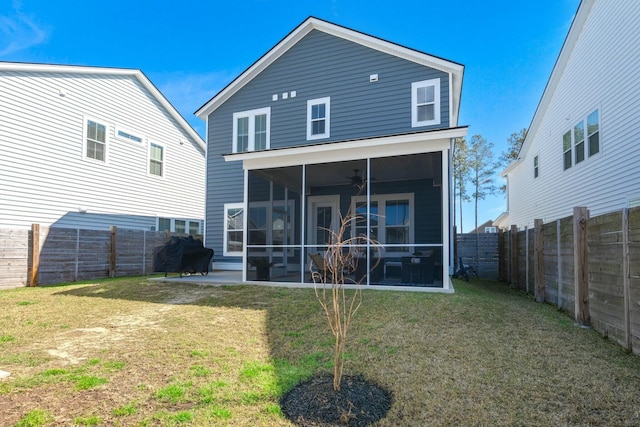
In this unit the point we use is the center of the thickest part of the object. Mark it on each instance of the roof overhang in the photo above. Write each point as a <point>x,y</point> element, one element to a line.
<point>393,145</point>
<point>126,72</point>
<point>454,70</point>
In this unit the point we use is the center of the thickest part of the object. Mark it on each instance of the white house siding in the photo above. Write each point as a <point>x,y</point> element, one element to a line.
<point>602,71</point>
<point>44,177</point>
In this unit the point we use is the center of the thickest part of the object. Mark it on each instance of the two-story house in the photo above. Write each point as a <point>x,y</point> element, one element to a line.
<point>331,120</point>
<point>582,147</point>
<point>92,147</point>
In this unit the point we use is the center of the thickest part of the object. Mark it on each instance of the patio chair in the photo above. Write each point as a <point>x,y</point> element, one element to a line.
<point>319,267</point>
<point>321,270</point>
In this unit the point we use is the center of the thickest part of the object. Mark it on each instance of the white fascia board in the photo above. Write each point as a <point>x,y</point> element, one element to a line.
<point>73,69</point>
<point>511,166</point>
<point>363,39</point>
<point>397,145</point>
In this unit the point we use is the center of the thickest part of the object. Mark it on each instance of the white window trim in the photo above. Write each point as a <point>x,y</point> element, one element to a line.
<point>225,252</point>
<point>414,103</point>
<point>382,200</point>
<point>164,160</point>
<point>251,114</point>
<point>584,120</point>
<point>107,126</point>
<point>327,128</point>
<point>129,132</point>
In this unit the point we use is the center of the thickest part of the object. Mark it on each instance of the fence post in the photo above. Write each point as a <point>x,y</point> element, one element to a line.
<point>112,251</point>
<point>501,257</point>
<point>35,255</point>
<point>144,252</point>
<point>527,255</point>
<point>514,255</point>
<point>626,273</point>
<point>581,264</point>
<point>559,262</point>
<point>538,261</point>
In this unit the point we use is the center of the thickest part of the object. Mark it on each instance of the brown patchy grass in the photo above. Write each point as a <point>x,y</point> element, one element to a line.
<point>129,352</point>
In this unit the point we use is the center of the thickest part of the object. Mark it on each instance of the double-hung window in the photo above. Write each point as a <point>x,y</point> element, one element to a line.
<point>233,229</point>
<point>581,141</point>
<point>318,118</point>
<point>425,103</point>
<point>566,150</point>
<point>390,223</point>
<point>96,141</point>
<point>251,130</point>
<point>593,133</point>
<point>156,159</point>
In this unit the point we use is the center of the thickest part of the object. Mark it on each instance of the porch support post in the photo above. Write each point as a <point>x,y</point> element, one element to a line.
<point>303,224</point>
<point>368,258</point>
<point>245,225</point>
<point>446,229</point>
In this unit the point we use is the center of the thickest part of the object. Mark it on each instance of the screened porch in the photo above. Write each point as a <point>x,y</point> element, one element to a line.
<point>395,206</point>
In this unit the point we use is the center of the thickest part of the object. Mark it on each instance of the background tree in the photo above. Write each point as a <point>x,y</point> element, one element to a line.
<point>460,176</point>
<point>515,141</point>
<point>482,170</point>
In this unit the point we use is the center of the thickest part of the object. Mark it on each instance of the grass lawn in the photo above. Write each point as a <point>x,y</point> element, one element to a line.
<point>130,352</point>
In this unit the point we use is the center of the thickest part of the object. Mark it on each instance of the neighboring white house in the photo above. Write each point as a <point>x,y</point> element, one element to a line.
<point>583,147</point>
<point>93,147</point>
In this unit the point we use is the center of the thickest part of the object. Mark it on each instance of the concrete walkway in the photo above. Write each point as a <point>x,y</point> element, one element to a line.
<point>226,277</point>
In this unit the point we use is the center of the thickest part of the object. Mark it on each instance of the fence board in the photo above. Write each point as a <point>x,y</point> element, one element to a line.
<point>14,258</point>
<point>68,255</point>
<point>481,251</point>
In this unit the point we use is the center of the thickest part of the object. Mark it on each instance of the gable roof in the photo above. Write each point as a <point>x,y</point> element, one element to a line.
<point>454,69</point>
<point>130,72</point>
<point>558,70</point>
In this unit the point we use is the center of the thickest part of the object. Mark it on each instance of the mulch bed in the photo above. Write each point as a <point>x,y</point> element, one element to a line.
<point>314,403</point>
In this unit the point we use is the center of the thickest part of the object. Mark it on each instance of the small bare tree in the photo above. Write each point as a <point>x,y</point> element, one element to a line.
<point>339,263</point>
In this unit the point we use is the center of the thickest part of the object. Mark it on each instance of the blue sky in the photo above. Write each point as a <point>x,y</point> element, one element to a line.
<point>191,49</point>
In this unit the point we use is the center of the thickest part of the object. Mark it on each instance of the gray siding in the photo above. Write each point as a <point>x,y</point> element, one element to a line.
<point>319,65</point>
<point>322,65</point>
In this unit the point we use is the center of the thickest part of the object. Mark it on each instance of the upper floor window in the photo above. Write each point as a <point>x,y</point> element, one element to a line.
<point>127,135</point>
<point>566,150</point>
<point>578,143</point>
<point>425,103</point>
<point>251,130</point>
<point>535,167</point>
<point>156,159</point>
<point>593,132</point>
<point>318,118</point>
<point>96,141</point>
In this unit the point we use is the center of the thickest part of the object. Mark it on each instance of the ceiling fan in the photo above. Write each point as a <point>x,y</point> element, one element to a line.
<point>356,179</point>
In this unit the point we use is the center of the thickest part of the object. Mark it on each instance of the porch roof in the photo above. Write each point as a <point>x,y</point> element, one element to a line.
<point>391,145</point>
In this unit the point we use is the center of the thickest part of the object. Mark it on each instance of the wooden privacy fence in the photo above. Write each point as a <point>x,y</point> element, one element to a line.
<point>589,267</point>
<point>480,250</point>
<point>69,254</point>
